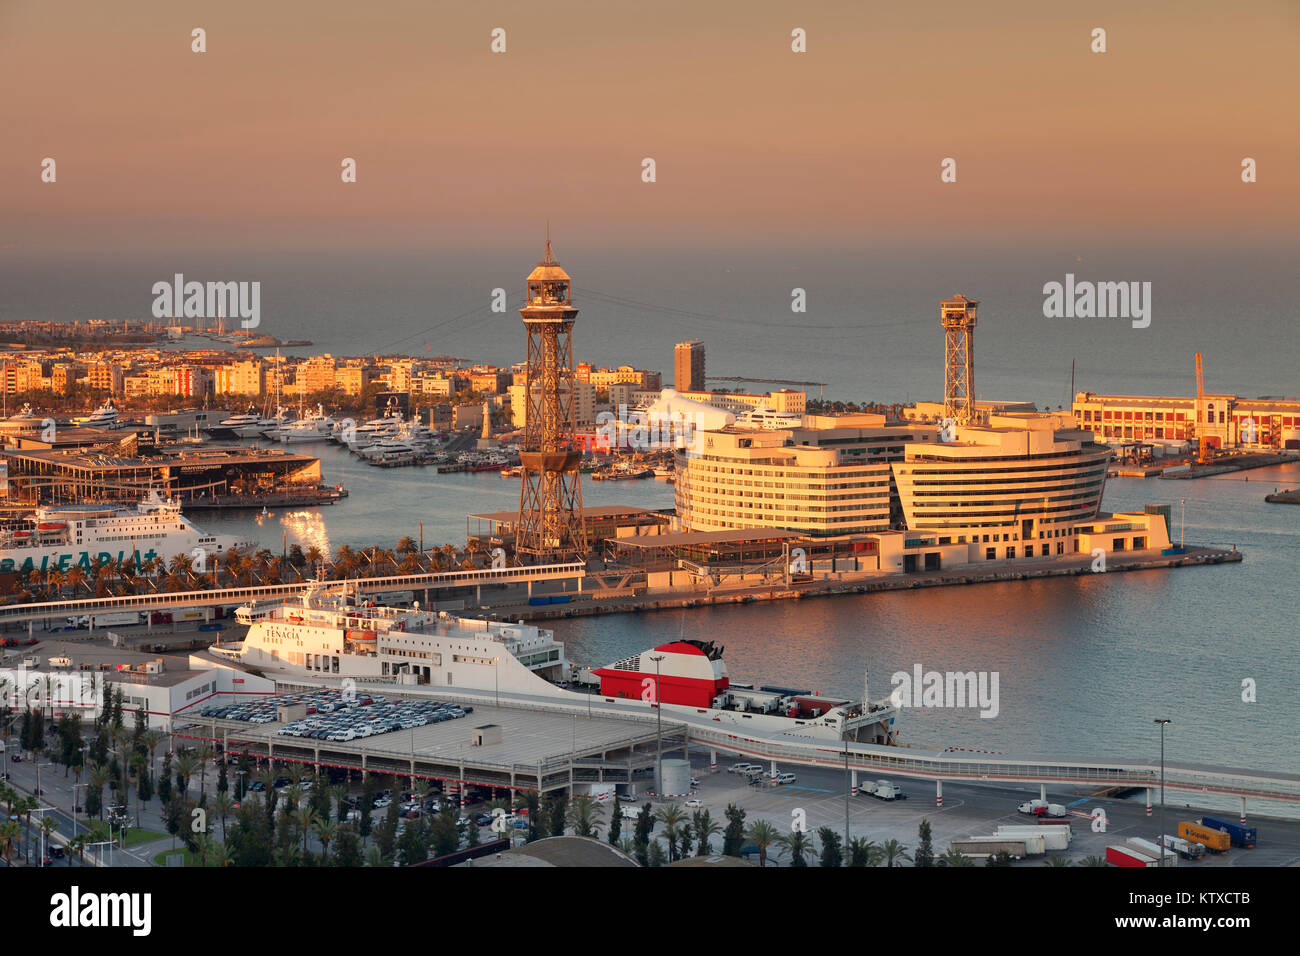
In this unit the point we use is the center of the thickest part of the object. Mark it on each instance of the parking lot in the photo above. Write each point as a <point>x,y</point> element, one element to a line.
<point>334,715</point>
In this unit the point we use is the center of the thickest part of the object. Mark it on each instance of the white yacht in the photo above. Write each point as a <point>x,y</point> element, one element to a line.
<point>103,417</point>
<point>250,424</point>
<point>314,426</point>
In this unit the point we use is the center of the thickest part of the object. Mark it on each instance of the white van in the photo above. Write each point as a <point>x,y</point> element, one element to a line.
<point>784,778</point>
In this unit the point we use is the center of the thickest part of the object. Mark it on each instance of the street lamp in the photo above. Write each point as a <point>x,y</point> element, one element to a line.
<point>847,790</point>
<point>1161,841</point>
<point>659,728</point>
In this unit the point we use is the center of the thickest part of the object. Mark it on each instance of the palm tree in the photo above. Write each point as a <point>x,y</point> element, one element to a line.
<point>762,834</point>
<point>325,831</point>
<point>796,844</point>
<point>48,825</point>
<point>584,815</point>
<point>308,820</point>
<point>185,765</point>
<point>1093,861</point>
<point>8,839</point>
<point>25,807</point>
<point>223,803</point>
<point>671,817</point>
<point>1058,861</point>
<point>151,739</point>
<point>96,781</point>
<point>220,855</point>
<point>864,852</point>
<point>705,829</point>
<point>893,850</point>
<point>955,858</point>
<point>204,756</point>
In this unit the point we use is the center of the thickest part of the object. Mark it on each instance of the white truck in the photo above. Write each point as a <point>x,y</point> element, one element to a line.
<point>884,790</point>
<point>1041,808</point>
<point>1055,837</point>
<point>119,619</point>
<point>1184,848</point>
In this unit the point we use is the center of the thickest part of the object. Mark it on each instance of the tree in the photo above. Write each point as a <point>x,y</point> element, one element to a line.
<point>557,812</point>
<point>831,852</point>
<point>863,852</point>
<point>584,815</point>
<point>654,854</point>
<point>705,829</point>
<point>1058,861</point>
<point>671,817</point>
<point>999,859</point>
<point>347,847</point>
<point>796,844</point>
<point>762,834</point>
<point>924,849</point>
<point>616,821</point>
<point>894,850</point>
<point>733,837</point>
<point>1093,861</point>
<point>645,822</point>
<point>953,857</point>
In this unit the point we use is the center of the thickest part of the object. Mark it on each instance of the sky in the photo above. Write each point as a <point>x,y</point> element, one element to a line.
<point>459,148</point>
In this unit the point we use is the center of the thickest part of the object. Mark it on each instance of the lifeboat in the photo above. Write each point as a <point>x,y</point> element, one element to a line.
<point>22,534</point>
<point>294,618</point>
<point>361,637</point>
<point>52,526</point>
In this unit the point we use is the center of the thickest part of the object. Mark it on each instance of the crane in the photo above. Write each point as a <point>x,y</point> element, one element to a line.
<point>1202,431</point>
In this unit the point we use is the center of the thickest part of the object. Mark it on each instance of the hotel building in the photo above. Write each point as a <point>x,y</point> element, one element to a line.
<point>829,478</point>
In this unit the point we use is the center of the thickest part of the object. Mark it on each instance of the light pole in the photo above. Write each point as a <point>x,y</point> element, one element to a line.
<point>1161,842</point>
<point>1182,533</point>
<point>847,790</point>
<point>659,727</point>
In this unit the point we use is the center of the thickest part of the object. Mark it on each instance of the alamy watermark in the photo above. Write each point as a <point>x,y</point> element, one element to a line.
<point>208,300</point>
<point>1098,300</point>
<point>955,689</point>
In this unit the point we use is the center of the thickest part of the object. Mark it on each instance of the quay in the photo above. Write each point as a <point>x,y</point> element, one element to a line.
<point>629,598</point>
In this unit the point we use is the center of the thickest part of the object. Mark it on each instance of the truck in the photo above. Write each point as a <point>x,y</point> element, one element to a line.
<point>1150,849</point>
<point>977,847</point>
<point>884,790</point>
<point>60,661</point>
<point>1242,836</point>
<point>1184,848</point>
<point>1216,841</point>
<point>1041,808</point>
<point>1056,836</point>
<point>1127,856</point>
<point>120,619</point>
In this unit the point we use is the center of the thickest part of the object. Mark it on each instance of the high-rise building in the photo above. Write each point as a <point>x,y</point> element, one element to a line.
<point>688,367</point>
<point>550,497</point>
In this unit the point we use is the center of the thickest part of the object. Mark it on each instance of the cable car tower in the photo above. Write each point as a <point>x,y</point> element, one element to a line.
<point>550,525</point>
<point>957,316</point>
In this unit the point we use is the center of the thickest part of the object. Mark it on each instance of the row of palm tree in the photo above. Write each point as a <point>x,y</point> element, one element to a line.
<point>125,576</point>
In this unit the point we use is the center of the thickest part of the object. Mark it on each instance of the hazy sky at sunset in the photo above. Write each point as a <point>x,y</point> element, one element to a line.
<point>160,147</point>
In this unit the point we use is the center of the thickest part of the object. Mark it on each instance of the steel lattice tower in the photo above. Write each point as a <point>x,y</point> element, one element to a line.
<point>957,315</point>
<point>550,495</point>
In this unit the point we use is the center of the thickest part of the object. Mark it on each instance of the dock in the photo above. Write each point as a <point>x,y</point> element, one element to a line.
<point>630,599</point>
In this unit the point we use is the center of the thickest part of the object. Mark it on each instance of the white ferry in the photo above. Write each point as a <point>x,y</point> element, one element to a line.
<point>88,535</point>
<point>328,635</point>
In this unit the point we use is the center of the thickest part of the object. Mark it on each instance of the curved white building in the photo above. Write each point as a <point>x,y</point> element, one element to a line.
<point>1015,488</point>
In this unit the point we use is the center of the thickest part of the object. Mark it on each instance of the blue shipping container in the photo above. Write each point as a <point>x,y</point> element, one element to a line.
<point>1240,836</point>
